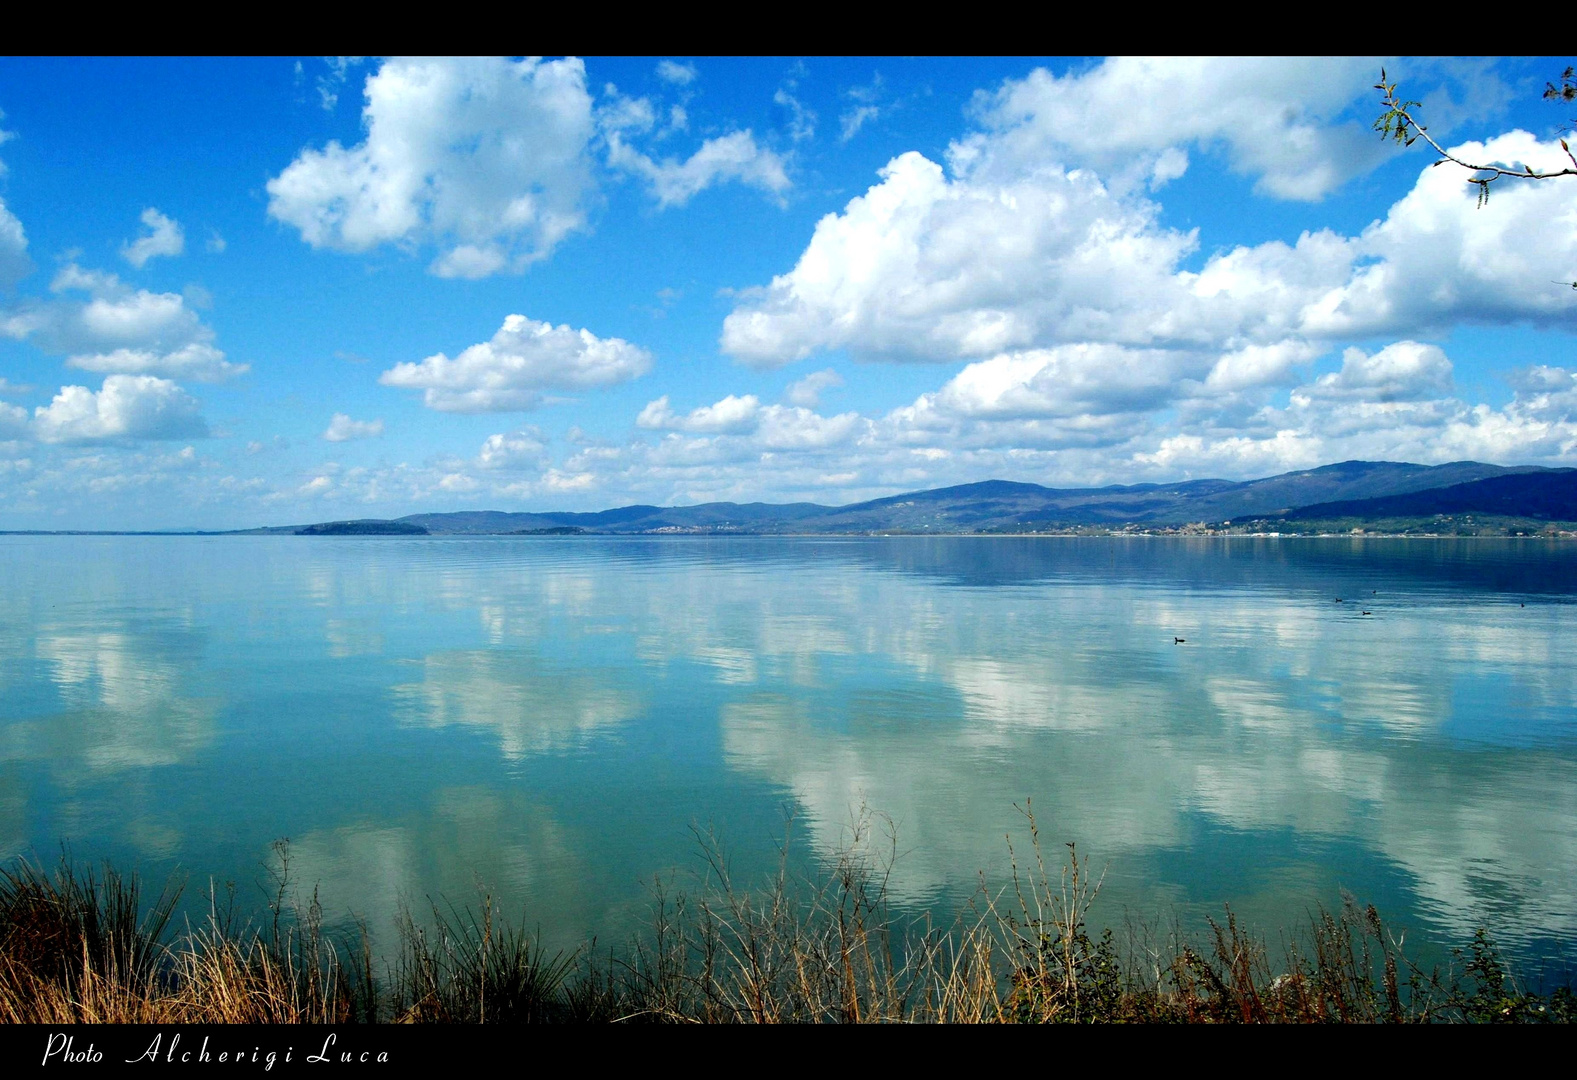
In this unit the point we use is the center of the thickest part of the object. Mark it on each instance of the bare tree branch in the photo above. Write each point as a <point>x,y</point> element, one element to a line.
<point>1398,122</point>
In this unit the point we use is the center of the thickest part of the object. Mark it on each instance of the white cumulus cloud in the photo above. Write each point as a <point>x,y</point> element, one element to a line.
<point>990,262</point>
<point>13,421</point>
<point>1254,366</point>
<point>483,158</point>
<point>923,267</point>
<point>788,428</point>
<point>1280,119</point>
<point>513,450</point>
<point>112,316</point>
<point>342,429</point>
<point>864,109</point>
<point>163,237</point>
<point>1437,259</point>
<point>1403,371</point>
<point>14,263</point>
<point>198,360</point>
<point>735,156</point>
<point>671,71</point>
<point>510,371</point>
<point>333,80</point>
<point>742,426</point>
<point>730,414</point>
<point>802,120</point>
<point>807,392</point>
<point>1067,381</point>
<point>125,407</point>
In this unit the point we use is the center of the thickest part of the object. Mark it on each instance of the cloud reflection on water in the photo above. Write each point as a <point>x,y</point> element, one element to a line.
<point>1284,711</point>
<point>1338,731</point>
<point>127,705</point>
<point>468,842</point>
<point>1427,748</point>
<point>530,706</point>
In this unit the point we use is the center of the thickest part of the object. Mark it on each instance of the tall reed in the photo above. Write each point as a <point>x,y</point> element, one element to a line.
<point>821,947</point>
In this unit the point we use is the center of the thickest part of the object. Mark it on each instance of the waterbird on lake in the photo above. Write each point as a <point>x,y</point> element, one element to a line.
<point>1366,613</point>
<point>1177,641</point>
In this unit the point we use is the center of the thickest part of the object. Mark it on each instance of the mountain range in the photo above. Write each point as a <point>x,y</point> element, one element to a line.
<point>1349,490</point>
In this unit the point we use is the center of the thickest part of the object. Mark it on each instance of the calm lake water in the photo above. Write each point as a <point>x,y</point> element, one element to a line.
<point>553,717</point>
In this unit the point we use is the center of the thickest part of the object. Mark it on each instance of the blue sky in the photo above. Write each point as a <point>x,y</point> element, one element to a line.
<point>265,291</point>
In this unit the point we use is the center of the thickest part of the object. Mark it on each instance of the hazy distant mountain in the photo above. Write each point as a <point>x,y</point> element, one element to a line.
<point>1546,496</point>
<point>997,505</point>
<point>624,519</point>
<point>362,527</point>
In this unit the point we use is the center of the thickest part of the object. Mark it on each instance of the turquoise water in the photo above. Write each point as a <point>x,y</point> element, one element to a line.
<point>554,718</point>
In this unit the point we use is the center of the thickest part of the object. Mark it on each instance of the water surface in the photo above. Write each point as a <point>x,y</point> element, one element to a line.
<point>555,718</point>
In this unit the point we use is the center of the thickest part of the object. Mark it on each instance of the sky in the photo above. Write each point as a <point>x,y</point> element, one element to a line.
<point>271,291</point>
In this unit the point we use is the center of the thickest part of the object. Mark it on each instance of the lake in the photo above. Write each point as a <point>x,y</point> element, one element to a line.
<point>557,718</point>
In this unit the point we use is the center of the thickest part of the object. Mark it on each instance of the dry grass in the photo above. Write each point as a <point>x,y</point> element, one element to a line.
<point>824,950</point>
<point>470,969</point>
<point>80,946</point>
<point>85,946</point>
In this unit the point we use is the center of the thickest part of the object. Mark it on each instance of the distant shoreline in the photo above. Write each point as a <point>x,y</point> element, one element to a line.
<point>1352,498</point>
<point>1564,534</point>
